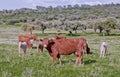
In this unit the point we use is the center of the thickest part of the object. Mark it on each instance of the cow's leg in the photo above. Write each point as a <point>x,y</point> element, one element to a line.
<point>53,61</point>
<point>59,58</point>
<point>101,53</point>
<point>80,58</point>
<point>54,56</point>
<point>104,52</point>
<point>24,51</point>
<point>38,48</point>
<point>19,49</point>
<point>77,58</point>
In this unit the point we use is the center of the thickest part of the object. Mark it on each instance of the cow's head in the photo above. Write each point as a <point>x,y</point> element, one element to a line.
<point>46,42</point>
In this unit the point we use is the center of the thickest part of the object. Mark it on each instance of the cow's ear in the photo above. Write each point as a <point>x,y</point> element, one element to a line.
<point>51,41</point>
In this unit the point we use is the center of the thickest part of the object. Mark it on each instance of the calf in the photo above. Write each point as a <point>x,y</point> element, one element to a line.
<point>103,49</point>
<point>65,47</point>
<point>22,48</point>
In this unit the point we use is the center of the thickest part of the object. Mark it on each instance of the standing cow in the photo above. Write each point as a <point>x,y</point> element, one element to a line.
<point>103,49</point>
<point>56,48</point>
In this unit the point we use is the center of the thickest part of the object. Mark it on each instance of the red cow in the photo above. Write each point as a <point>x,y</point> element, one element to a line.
<point>65,47</point>
<point>59,37</point>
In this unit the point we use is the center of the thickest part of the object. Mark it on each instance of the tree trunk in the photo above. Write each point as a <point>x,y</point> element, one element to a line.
<point>108,32</point>
<point>42,31</point>
<point>30,32</point>
<point>75,31</point>
<point>101,31</point>
<point>70,32</point>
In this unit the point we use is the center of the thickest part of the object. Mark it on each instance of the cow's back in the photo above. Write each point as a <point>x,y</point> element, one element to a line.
<point>65,46</point>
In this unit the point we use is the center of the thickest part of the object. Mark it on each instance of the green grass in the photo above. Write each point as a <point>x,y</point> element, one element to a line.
<point>34,64</point>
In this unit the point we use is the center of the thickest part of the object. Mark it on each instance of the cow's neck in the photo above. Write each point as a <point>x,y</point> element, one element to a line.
<point>49,47</point>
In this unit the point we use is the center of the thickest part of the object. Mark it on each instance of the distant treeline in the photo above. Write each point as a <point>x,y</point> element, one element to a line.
<point>65,17</point>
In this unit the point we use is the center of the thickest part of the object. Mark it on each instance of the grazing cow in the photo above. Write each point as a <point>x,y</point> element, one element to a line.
<point>59,37</point>
<point>22,38</point>
<point>22,48</point>
<point>103,49</point>
<point>65,47</point>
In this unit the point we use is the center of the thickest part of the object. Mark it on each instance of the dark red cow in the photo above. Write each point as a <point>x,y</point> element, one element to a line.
<point>65,47</point>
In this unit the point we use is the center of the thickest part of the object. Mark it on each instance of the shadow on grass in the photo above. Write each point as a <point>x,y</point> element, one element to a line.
<point>114,35</point>
<point>110,34</point>
<point>73,61</point>
<point>89,62</point>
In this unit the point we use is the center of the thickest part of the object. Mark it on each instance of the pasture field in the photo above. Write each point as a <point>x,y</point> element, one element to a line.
<point>34,64</point>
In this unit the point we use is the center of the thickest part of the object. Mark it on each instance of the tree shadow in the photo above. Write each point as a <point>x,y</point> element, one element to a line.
<point>114,35</point>
<point>110,34</point>
<point>89,62</point>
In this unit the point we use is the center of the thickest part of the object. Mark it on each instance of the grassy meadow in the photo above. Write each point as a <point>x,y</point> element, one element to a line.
<point>34,64</point>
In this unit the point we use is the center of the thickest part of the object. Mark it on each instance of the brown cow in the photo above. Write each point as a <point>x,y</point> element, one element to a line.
<point>65,47</point>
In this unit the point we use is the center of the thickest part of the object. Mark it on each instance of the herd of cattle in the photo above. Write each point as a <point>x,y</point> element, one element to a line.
<point>58,46</point>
